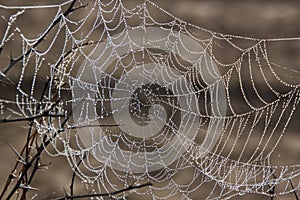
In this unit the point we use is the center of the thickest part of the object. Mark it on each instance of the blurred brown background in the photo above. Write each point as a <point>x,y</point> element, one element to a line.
<point>258,19</point>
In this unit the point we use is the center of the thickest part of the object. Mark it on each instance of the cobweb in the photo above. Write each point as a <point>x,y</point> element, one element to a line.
<point>143,98</point>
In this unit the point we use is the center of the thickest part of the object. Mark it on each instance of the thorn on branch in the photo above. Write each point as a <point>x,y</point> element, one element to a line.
<point>20,158</point>
<point>27,187</point>
<point>43,166</point>
<point>11,58</point>
<point>79,7</point>
<point>13,176</point>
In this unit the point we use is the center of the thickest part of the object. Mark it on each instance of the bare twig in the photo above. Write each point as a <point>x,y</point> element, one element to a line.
<point>74,175</point>
<point>31,163</point>
<point>24,161</point>
<point>91,126</point>
<point>272,188</point>
<point>295,193</point>
<point>13,62</point>
<point>31,137</point>
<point>35,158</point>
<point>43,114</point>
<point>106,194</point>
<point>10,22</point>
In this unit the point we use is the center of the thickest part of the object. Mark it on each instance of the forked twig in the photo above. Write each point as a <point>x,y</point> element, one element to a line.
<point>13,62</point>
<point>23,182</point>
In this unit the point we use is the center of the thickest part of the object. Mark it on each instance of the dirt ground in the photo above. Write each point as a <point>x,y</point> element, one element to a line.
<point>255,19</point>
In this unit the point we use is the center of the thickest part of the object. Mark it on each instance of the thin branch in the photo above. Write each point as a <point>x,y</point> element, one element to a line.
<point>10,22</point>
<point>29,142</point>
<point>22,180</point>
<point>272,188</point>
<point>29,118</point>
<point>91,126</point>
<point>79,7</point>
<point>106,194</point>
<point>26,167</point>
<point>43,114</point>
<point>12,174</point>
<point>42,38</point>
<point>28,187</point>
<point>295,193</point>
<point>8,181</point>
<point>74,175</point>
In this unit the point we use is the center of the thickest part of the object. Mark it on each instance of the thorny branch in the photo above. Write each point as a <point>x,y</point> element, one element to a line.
<point>35,161</point>
<point>28,162</point>
<point>13,62</point>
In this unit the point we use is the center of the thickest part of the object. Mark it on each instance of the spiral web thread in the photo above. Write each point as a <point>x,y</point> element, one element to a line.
<point>221,120</point>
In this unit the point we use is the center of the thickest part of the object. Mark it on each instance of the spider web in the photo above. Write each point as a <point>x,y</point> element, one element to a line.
<point>150,99</point>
